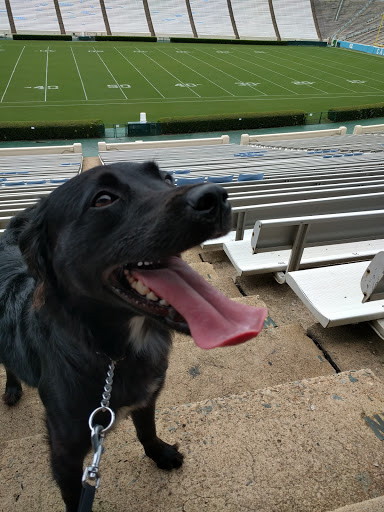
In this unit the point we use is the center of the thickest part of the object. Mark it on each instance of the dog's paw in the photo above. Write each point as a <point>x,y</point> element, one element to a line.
<point>12,396</point>
<point>165,455</point>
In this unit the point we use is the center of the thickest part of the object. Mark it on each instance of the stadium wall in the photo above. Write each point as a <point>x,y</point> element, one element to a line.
<point>375,50</point>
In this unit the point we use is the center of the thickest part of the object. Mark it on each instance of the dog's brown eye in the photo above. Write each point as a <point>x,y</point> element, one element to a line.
<point>104,199</point>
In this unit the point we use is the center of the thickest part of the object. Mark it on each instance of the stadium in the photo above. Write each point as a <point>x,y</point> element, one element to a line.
<point>279,103</point>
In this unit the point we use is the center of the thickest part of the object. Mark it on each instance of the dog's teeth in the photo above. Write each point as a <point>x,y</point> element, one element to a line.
<point>141,288</point>
<point>148,263</point>
<point>140,264</point>
<point>163,302</point>
<point>134,284</point>
<point>151,296</point>
<point>129,277</point>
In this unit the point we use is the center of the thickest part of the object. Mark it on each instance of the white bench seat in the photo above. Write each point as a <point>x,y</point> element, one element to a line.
<point>216,244</point>
<point>246,263</point>
<point>333,294</point>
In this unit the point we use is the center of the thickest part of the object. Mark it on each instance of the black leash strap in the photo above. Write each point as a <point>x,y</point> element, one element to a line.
<point>86,498</point>
<point>91,472</point>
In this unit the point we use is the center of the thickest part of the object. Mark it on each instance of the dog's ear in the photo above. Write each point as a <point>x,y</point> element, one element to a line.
<point>34,247</point>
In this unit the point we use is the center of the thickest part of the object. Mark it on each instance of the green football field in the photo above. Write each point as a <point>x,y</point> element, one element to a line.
<point>115,81</point>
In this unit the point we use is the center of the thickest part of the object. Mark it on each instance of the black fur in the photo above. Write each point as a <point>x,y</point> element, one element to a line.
<point>60,322</point>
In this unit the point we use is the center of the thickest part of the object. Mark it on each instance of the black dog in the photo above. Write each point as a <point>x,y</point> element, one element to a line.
<point>72,298</point>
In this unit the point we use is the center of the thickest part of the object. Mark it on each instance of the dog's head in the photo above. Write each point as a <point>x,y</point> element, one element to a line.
<point>93,236</point>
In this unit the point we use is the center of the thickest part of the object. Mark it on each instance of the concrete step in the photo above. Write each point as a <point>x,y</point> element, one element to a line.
<point>298,447</point>
<point>375,505</point>
<point>276,356</point>
<point>224,283</point>
<point>24,419</point>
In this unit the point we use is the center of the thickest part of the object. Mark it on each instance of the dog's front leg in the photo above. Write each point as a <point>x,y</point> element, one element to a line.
<point>165,455</point>
<point>69,445</point>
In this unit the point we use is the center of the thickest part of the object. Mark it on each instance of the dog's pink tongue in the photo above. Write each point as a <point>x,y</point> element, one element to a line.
<point>213,319</point>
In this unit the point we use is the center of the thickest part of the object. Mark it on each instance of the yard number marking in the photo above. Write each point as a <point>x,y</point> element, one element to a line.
<point>186,85</point>
<point>43,87</point>
<point>247,84</point>
<point>121,86</point>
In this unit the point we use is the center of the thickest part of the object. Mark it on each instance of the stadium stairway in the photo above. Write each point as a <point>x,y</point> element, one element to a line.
<point>267,426</point>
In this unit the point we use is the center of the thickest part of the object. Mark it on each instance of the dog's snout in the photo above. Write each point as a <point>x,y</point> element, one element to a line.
<point>207,198</point>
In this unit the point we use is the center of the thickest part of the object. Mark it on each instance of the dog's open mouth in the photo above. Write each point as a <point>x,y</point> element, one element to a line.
<point>128,286</point>
<point>173,291</point>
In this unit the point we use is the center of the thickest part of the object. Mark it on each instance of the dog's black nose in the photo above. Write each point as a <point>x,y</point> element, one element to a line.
<point>207,198</point>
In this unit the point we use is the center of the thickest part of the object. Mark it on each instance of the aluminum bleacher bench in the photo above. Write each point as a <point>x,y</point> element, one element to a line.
<point>22,204</point>
<point>372,282</point>
<point>287,244</point>
<point>332,293</point>
<point>244,217</point>
<point>300,181</point>
<point>372,286</point>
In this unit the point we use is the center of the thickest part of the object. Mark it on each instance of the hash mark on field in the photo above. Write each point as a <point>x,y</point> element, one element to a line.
<point>78,72</point>
<point>114,79</point>
<point>14,69</point>
<point>225,90</point>
<point>129,62</point>
<point>169,73</point>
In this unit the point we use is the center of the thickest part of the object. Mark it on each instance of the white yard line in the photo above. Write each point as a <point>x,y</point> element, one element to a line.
<point>225,73</point>
<point>145,78</point>
<point>261,76</point>
<point>258,76</point>
<point>353,67</point>
<point>205,78</point>
<point>46,76</point>
<point>356,72</point>
<point>185,100</point>
<point>14,69</point>
<point>169,73</point>
<point>118,85</point>
<point>297,71</point>
<point>78,71</point>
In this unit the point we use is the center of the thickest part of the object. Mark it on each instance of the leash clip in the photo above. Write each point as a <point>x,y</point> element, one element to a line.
<point>92,472</point>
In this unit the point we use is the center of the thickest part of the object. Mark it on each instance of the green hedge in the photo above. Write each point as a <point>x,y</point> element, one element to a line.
<point>307,43</point>
<point>225,122</point>
<point>41,37</point>
<point>148,39</point>
<point>27,130</point>
<point>225,41</point>
<point>352,113</point>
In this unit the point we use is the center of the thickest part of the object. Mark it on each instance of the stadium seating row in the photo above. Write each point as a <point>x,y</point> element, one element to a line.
<point>294,20</point>
<point>26,178</point>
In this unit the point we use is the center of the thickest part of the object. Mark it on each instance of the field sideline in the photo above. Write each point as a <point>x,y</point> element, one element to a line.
<point>115,81</point>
